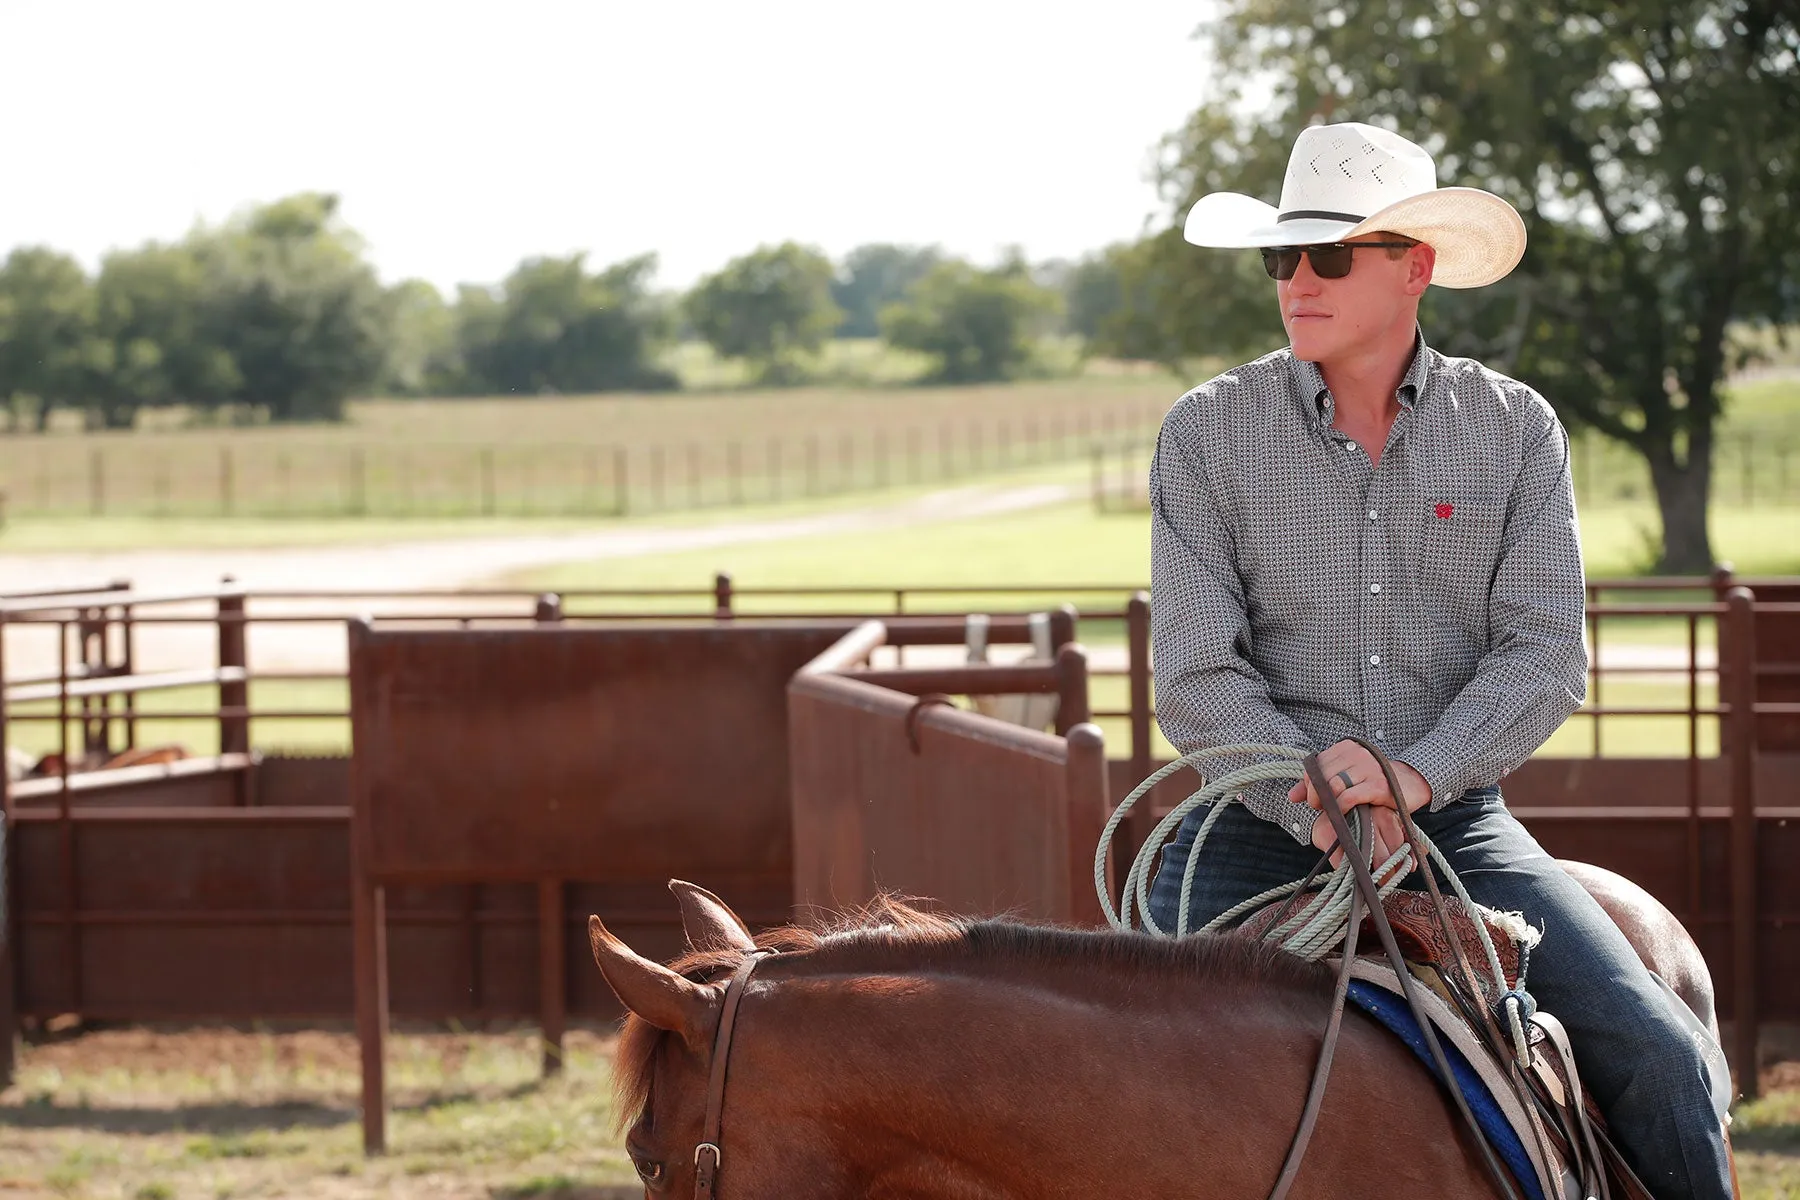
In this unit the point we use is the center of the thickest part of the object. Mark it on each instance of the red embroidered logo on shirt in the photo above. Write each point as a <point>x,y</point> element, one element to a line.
<point>1444,511</point>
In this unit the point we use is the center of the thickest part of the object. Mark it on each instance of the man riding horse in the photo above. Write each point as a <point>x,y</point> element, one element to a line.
<point>1358,537</point>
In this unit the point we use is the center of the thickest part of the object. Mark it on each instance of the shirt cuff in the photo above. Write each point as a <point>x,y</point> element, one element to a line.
<point>1442,768</point>
<point>1269,801</point>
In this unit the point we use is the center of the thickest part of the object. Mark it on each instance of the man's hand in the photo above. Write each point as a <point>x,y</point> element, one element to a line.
<point>1356,778</point>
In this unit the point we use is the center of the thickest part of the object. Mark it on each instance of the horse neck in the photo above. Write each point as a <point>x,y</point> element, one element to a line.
<point>1036,1082</point>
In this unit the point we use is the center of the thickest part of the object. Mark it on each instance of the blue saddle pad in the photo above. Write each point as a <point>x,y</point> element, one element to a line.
<point>1393,1012</point>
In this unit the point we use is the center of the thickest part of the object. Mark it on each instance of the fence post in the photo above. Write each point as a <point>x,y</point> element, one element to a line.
<point>722,597</point>
<point>227,484</point>
<point>548,610</point>
<point>8,1004</point>
<point>734,472</point>
<point>1072,707</point>
<point>486,468</point>
<point>1137,641</point>
<point>1062,624</point>
<point>621,481</point>
<point>356,487</point>
<point>1741,611</point>
<point>553,973</point>
<point>234,728</point>
<point>97,482</point>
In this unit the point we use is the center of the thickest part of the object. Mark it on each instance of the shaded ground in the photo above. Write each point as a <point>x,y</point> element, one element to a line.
<point>221,1114</point>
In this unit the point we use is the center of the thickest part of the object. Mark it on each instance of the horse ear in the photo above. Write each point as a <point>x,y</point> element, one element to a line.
<point>652,991</point>
<point>708,921</point>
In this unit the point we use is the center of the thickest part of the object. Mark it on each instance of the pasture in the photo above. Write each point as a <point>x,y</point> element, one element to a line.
<point>547,458</point>
<point>594,456</point>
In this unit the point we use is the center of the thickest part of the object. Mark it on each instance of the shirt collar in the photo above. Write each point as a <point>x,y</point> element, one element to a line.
<point>1315,398</point>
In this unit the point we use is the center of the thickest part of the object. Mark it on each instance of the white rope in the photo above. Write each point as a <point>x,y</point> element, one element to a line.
<point>1316,928</point>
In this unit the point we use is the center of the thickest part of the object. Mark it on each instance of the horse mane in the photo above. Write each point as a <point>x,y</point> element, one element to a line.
<point>891,922</point>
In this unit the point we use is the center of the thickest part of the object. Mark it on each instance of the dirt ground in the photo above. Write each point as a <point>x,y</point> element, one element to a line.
<point>151,1115</point>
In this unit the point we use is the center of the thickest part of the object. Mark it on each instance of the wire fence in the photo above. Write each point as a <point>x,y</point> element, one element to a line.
<point>171,478</point>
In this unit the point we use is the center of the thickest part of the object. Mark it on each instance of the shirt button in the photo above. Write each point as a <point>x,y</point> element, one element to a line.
<point>1375,588</point>
<point>1372,514</point>
<point>1374,660</point>
<point>1381,735</point>
<point>1349,445</point>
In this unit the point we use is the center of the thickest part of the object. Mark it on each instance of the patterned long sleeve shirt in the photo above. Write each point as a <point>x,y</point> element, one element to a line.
<point>1432,603</point>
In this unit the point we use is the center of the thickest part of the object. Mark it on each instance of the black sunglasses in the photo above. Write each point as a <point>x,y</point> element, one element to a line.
<point>1330,260</point>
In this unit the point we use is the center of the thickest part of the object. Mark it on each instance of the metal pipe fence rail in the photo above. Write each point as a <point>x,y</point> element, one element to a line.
<point>1716,675</point>
<point>111,617</point>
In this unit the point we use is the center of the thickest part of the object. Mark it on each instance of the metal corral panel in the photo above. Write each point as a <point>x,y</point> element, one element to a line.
<point>575,752</point>
<point>982,817</point>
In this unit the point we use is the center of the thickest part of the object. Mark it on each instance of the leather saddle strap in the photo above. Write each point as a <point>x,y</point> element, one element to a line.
<point>707,1155</point>
<point>1315,1094</point>
<point>1371,894</point>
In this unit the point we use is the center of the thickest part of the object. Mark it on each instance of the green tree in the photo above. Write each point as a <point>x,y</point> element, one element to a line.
<point>873,277</point>
<point>553,326</point>
<point>51,352</point>
<point>978,324</point>
<point>152,307</point>
<point>1653,148</point>
<point>770,307</point>
<point>422,357</point>
<point>292,301</point>
<point>1176,304</point>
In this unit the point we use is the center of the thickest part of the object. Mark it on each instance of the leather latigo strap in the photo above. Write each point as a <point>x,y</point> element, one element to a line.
<point>707,1155</point>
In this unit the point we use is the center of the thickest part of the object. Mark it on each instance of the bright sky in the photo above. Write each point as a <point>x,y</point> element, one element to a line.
<point>463,137</point>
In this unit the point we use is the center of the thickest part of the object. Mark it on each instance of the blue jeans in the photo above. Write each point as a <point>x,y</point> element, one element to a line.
<point>1634,1056</point>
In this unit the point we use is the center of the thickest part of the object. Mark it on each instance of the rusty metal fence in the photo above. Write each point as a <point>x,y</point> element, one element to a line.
<point>116,879</point>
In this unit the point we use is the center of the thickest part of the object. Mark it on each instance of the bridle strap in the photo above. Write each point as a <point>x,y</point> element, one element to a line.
<point>707,1156</point>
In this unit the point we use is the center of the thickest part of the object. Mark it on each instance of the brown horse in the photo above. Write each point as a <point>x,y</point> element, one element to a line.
<point>903,1054</point>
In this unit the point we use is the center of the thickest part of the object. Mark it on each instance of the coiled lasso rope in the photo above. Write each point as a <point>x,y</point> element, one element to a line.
<point>1317,927</point>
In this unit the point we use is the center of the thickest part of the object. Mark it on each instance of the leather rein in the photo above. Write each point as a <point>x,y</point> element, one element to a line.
<point>1366,896</point>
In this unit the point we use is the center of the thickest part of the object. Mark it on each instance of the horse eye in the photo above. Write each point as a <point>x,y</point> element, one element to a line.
<point>648,1171</point>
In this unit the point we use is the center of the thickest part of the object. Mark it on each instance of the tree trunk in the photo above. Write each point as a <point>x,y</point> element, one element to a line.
<point>1682,492</point>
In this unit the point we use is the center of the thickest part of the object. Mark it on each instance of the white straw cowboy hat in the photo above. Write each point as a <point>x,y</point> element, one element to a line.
<point>1349,179</point>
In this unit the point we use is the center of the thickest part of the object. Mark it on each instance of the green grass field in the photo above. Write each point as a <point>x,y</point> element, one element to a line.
<point>722,445</point>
